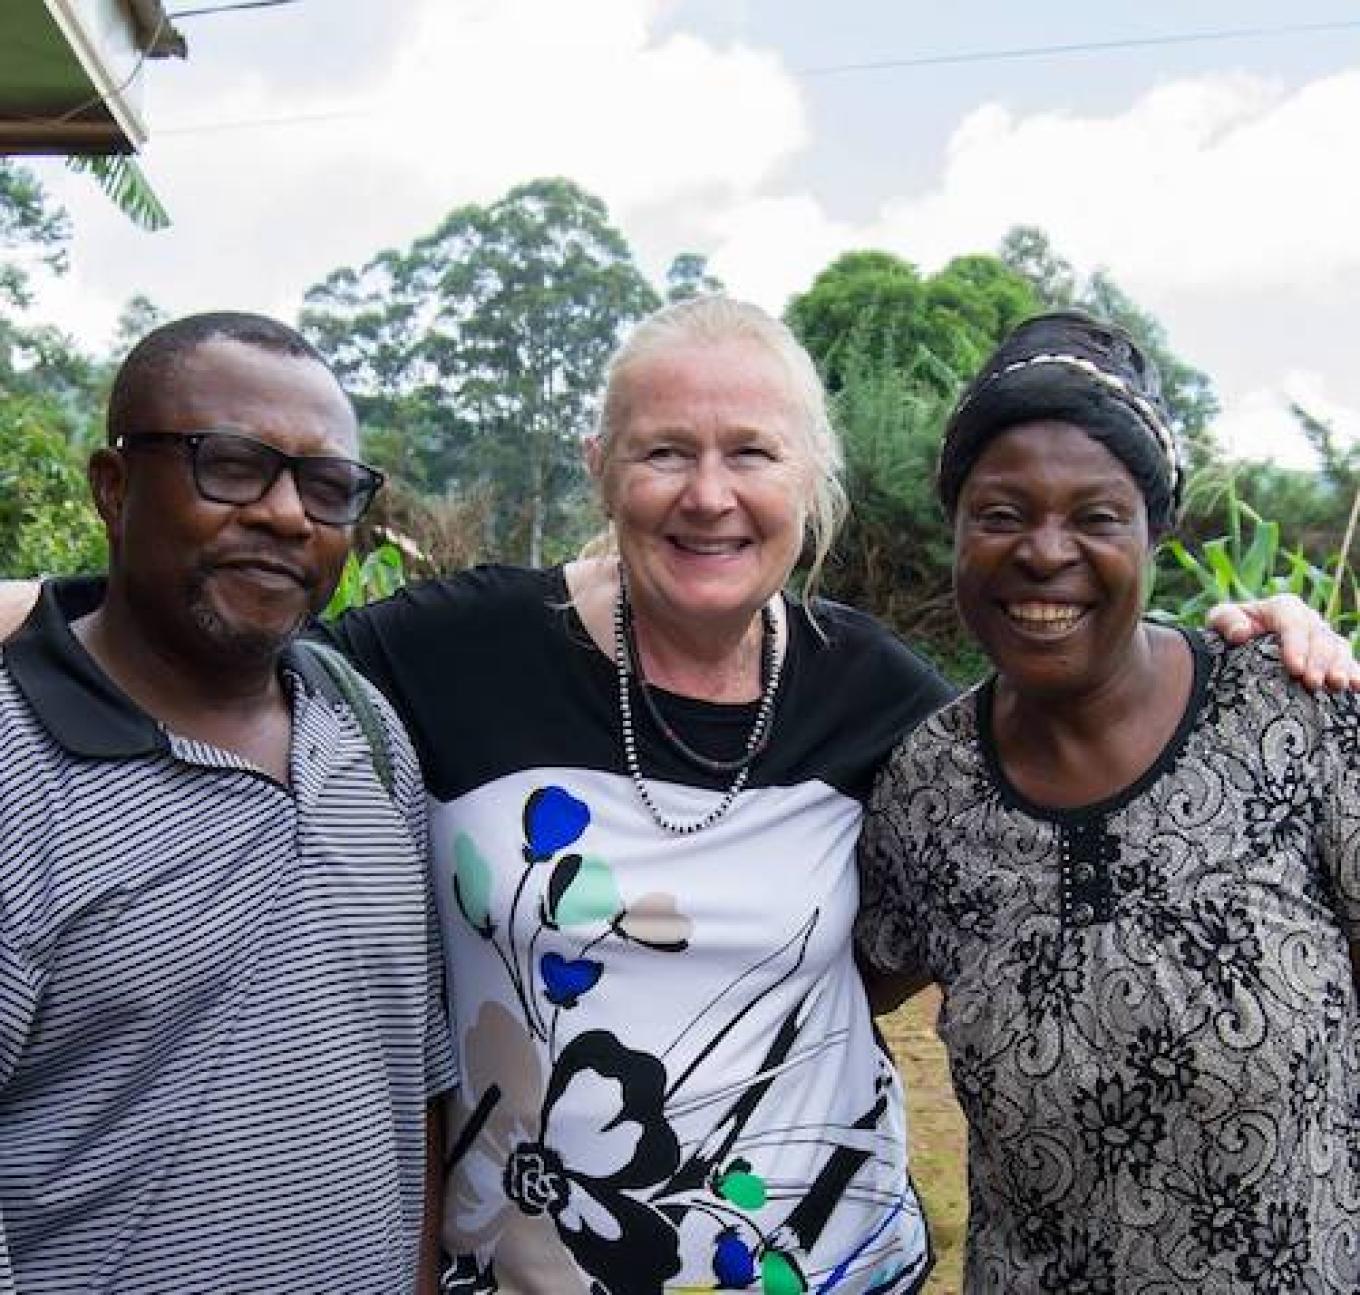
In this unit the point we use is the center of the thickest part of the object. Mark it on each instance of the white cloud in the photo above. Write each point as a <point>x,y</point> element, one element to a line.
<point>1260,423</point>
<point>1257,425</point>
<point>1194,187</point>
<point>480,94</point>
<point>1223,203</point>
<point>770,247</point>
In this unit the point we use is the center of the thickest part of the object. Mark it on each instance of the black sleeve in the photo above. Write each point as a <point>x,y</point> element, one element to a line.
<point>426,647</point>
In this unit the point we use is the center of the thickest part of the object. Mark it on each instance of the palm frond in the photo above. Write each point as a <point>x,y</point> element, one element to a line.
<point>123,180</point>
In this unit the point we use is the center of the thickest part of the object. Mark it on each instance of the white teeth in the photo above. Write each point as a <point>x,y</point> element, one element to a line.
<point>706,547</point>
<point>1054,614</point>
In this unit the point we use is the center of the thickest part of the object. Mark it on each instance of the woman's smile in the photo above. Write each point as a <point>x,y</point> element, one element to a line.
<point>1048,619</point>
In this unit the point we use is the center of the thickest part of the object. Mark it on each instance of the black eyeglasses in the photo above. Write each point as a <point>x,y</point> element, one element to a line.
<point>232,468</point>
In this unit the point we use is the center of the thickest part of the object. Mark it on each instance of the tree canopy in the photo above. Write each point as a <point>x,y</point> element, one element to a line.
<point>937,328</point>
<point>1188,392</point>
<point>488,340</point>
<point>49,400</point>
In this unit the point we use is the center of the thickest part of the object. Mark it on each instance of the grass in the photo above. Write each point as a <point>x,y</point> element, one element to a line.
<point>937,1134</point>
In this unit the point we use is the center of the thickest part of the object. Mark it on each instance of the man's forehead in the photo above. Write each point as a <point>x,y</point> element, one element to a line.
<point>223,379</point>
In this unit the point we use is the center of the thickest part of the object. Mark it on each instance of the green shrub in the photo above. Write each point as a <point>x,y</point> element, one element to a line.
<point>364,580</point>
<point>48,525</point>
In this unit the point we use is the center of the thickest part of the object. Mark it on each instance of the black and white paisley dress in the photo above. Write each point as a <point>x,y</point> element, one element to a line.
<point>1149,1003</point>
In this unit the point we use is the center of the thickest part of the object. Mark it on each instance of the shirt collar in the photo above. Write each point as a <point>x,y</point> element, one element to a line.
<point>80,706</point>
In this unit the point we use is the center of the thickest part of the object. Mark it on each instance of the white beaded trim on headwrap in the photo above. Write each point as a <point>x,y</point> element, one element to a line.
<point>1141,406</point>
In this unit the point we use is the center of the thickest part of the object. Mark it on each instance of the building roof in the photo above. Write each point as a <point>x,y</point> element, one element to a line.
<point>71,73</point>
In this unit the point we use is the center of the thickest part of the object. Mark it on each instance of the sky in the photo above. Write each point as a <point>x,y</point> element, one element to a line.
<point>1218,180</point>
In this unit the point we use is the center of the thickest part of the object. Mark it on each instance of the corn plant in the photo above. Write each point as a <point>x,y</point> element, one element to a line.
<point>1251,561</point>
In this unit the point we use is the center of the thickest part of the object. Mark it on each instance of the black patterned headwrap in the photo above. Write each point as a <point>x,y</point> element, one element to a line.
<point>1067,367</point>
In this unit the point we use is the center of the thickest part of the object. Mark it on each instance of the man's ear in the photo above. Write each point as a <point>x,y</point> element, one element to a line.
<point>107,475</point>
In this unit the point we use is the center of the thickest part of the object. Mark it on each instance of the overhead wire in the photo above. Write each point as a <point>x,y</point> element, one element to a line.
<point>228,8</point>
<point>925,60</point>
<point>1081,47</point>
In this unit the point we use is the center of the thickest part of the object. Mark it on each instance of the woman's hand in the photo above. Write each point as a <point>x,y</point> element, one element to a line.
<point>1314,653</point>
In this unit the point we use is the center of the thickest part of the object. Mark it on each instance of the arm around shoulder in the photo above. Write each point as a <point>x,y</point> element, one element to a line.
<point>889,943</point>
<point>888,990</point>
<point>16,601</point>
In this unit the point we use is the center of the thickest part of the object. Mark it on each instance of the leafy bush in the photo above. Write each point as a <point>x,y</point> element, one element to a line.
<point>365,580</point>
<point>48,525</point>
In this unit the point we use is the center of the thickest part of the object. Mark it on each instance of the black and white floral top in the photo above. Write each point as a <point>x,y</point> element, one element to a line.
<point>1148,1003</point>
<point>669,1078</point>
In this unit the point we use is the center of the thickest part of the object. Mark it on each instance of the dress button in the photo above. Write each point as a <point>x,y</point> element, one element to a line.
<point>1083,914</point>
<point>1083,873</point>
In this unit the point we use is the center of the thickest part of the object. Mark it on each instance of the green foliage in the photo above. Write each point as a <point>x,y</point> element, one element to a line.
<point>47,524</point>
<point>27,220</point>
<point>139,316</point>
<point>688,277</point>
<point>936,329</point>
<point>364,580</point>
<point>480,350</point>
<point>125,185</point>
<point>894,556</point>
<point>1251,561</point>
<point>1188,393</point>
<point>1338,462</point>
<point>895,348</point>
<point>1027,250</point>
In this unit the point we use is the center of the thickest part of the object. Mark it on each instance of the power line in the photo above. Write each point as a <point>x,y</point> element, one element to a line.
<point>227,8</point>
<point>253,123</point>
<point>1085,47</point>
<point>929,60</point>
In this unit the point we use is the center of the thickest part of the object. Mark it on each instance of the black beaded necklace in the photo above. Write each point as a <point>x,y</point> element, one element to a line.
<point>628,662</point>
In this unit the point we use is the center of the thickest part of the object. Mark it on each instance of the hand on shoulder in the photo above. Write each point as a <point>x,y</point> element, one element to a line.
<point>1313,653</point>
<point>16,601</point>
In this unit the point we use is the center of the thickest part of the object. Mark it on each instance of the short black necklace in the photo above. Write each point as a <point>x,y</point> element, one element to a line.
<point>628,662</point>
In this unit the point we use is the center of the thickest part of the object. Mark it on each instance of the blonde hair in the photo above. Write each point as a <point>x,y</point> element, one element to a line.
<point>712,321</point>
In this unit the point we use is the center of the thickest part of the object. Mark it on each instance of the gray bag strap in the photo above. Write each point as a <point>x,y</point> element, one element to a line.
<point>331,674</point>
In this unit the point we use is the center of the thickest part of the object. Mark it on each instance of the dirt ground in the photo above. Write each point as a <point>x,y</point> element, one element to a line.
<point>937,1134</point>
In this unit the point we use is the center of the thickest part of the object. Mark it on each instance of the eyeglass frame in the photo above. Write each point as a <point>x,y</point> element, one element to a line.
<point>373,479</point>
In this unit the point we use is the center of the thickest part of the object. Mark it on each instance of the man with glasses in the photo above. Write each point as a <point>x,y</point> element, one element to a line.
<point>220,1010</point>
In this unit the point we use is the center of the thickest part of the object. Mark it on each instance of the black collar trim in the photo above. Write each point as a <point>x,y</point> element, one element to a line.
<point>80,706</point>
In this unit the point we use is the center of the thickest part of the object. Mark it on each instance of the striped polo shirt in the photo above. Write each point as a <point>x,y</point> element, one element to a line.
<point>220,1009</point>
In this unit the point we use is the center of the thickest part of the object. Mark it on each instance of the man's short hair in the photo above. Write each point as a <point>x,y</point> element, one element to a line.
<point>154,359</point>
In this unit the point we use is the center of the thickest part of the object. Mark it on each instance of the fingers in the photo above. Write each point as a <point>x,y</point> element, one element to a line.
<point>1311,651</point>
<point>1338,668</point>
<point>1235,621</point>
<point>1315,654</point>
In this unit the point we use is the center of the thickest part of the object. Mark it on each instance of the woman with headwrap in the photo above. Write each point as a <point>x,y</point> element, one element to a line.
<point>1131,859</point>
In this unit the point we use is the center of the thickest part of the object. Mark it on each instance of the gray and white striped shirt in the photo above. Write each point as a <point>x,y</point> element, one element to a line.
<point>220,1014</point>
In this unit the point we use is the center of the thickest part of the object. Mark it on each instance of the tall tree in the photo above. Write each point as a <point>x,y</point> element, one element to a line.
<point>1188,392</point>
<point>1028,251</point>
<point>137,318</point>
<point>28,223</point>
<point>49,400</point>
<point>688,277</point>
<point>500,322</point>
